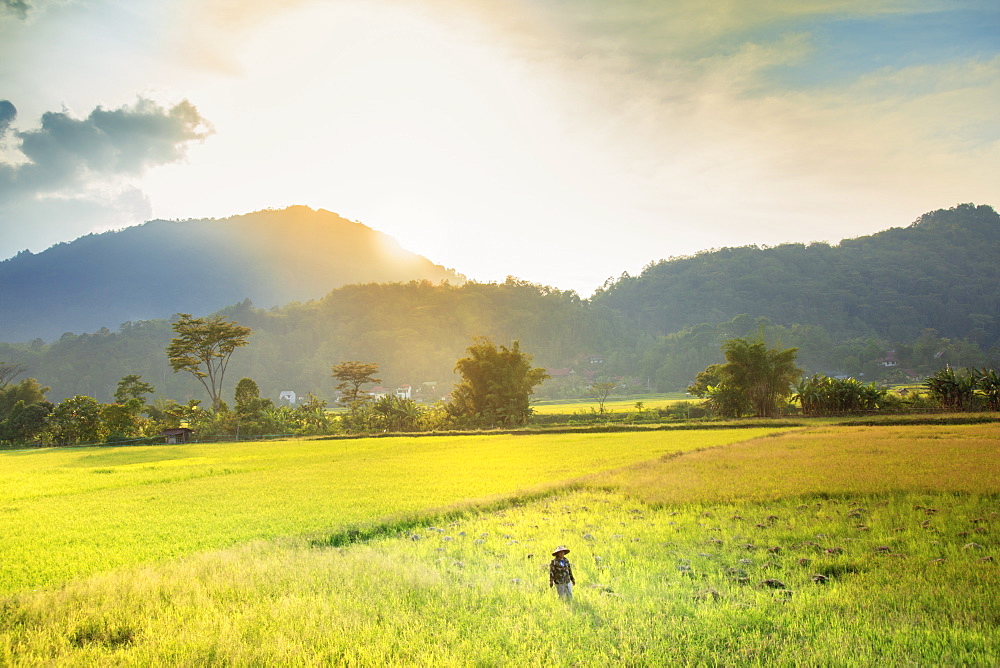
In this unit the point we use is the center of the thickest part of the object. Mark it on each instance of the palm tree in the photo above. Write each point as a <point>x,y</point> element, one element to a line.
<point>763,375</point>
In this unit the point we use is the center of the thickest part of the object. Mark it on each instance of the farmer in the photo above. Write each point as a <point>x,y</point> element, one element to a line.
<point>561,574</point>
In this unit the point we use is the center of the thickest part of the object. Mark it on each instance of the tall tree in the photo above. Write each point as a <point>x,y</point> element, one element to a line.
<point>132,387</point>
<point>203,348</point>
<point>247,397</point>
<point>352,375</point>
<point>250,408</point>
<point>496,385</point>
<point>763,376</point>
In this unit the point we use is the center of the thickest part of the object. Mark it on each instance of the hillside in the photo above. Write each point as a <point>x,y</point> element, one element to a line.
<point>940,272</point>
<point>415,331</point>
<point>927,293</point>
<point>163,267</point>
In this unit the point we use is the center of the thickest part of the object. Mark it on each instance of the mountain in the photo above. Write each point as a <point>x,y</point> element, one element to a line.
<point>154,270</point>
<point>940,272</point>
<point>927,293</point>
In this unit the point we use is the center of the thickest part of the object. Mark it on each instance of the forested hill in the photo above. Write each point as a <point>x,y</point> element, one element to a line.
<point>927,294</point>
<point>940,272</point>
<point>198,266</point>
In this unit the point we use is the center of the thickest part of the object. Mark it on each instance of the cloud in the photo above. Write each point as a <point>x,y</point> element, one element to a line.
<point>67,153</point>
<point>696,104</point>
<point>91,162</point>
<point>18,8</point>
<point>7,114</point>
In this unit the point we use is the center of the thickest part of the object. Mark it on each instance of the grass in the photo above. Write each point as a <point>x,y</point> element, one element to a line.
<point>656,586</point>
<point>67,513</point>
<point>826,460</point>
<point>701,556</point>
<point>613,404</point>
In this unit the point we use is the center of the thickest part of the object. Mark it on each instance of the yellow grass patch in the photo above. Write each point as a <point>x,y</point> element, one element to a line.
<point>831,460</point>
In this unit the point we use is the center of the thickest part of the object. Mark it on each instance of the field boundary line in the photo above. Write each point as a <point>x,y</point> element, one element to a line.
<point>394,526</point>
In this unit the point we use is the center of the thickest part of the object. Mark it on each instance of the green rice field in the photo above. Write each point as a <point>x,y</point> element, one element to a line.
<point>69,512</point>
<point>820,546</point>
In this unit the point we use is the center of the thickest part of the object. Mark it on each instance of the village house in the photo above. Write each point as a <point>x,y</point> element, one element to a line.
<point>176,435</point>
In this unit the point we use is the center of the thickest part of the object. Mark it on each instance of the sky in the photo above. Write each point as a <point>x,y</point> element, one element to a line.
<point>560,141</point>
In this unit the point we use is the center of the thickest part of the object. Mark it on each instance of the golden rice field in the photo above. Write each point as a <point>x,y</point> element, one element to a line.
<point>826,546</point>
<point>827,460</point>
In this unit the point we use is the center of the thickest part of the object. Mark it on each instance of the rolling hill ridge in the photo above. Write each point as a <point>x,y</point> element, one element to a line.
<point>154,270</point>
<point>939,272</point>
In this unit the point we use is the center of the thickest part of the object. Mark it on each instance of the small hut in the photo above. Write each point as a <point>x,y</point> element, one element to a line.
<point>177,435</point>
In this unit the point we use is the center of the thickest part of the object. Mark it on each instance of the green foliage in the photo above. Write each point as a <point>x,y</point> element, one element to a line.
<point>388,413</point>
<point>352,375</point>
<point>255,415</point>
<point>496,385</point>
<point>703,383</point>
<point>172,414</point>
<point>969,389</point>
<point>822,395</point>
<point>310,417</point>
<point>727,401</point>
<point>76,420</point>
<point>988,383</point>
<point>122,420</point>
<point>28,391</point>
<point>132,387</point>
<point>892,284</point>
<point>754,378</point>
<point>248,400</point>
<point>211,423</point>
<point>952,390</point>
<point>931,304</point>
<point>203,347</point>
<point>25,423</point>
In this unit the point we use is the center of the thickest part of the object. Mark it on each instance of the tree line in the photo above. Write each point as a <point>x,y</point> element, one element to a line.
<point>416,331</point>
<point>494,391</point>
